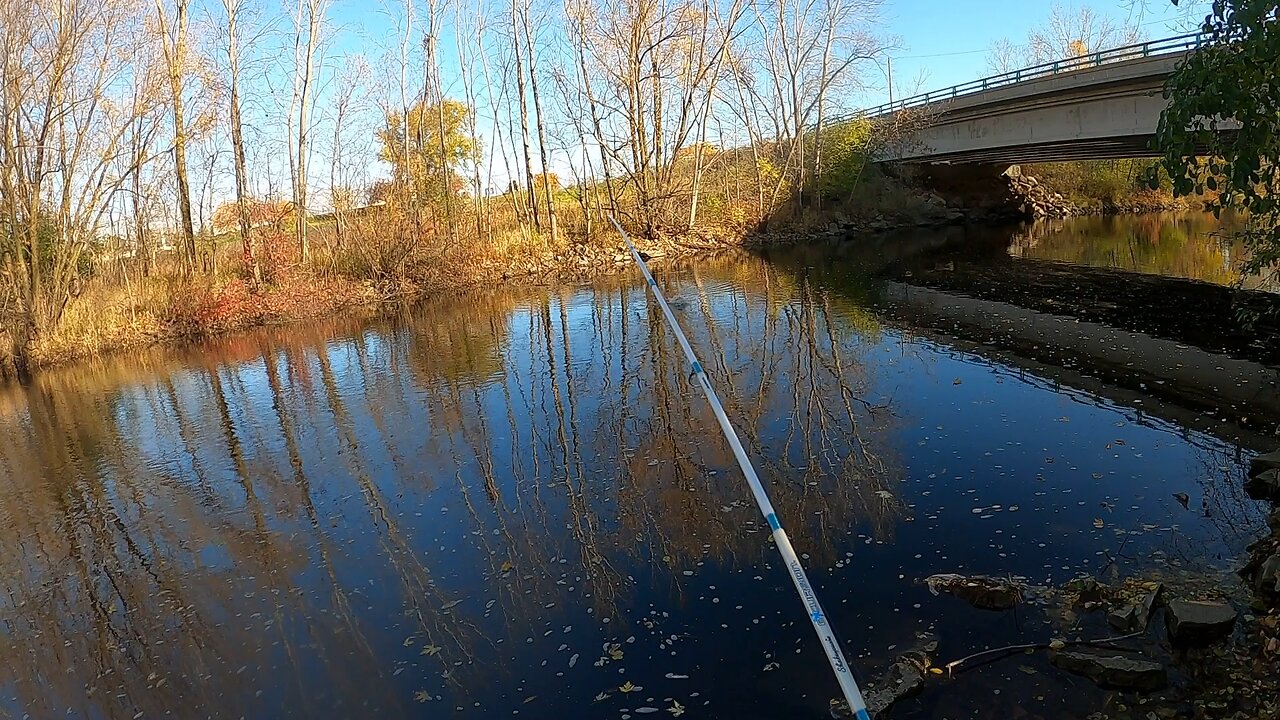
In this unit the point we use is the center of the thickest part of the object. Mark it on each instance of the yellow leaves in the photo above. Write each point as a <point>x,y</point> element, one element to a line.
<point>676,708</point>
<point>1098,523</point>
<point>628,687</point>
<point>431,650</point>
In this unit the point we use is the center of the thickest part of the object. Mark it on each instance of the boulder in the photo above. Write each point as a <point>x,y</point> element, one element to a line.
<point>1263,463</point>
<point>1111,669</point>
<point>1264,486</point>
<point>1273,522</point>
<point>982,592</point>
<point>1199,622</point>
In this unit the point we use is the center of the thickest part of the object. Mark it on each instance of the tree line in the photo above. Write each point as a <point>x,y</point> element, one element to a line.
<point>152,137</point>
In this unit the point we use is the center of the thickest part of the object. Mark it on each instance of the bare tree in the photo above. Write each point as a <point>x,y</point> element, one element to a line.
<point>1074,32</point>
<point>308,25</point>
<point>541,126</point>
<point>63,148</point>
<point>248,254</point>
<point>174,41</point>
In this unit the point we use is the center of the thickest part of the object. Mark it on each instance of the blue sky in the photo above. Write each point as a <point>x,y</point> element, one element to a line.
<point>948,40</point>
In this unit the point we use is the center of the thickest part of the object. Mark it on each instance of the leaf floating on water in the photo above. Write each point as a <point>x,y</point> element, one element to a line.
<point>408,641</point>
<point>1027,669</point>
<point>884,495</point>
<point>1057,644</point>
<point>646,710</point>
<point>772,666</point>
<point>530,699</point>
<point>507,567</point>
<point>627,687</point>
<point>935,670</point>
<point>431,650</point>
<point>1097,522</point>
<point>602,697</point>
<point>451,605</point>
<point>422,696</point>
<point>676,708</point>
<point>673,676</point>
<point>573,660</point>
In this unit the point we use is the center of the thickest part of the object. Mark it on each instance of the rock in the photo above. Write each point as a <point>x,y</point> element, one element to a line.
<point>1263,463</point>
<point>1111,669</point>
<point>1199,622</point>
<point>1134,618</point>
<point>903,679</point>
<point>1087,589</point>
<point>1273,522</point>
<point>1264,486</point>
<point>1268,578</point>
<point>980,591</point>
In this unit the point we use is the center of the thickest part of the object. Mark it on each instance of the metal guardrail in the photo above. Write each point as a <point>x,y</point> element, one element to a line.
<point>1190,41</point>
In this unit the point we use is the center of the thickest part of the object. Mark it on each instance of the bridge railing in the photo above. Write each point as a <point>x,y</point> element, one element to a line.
<point>1190,41</point>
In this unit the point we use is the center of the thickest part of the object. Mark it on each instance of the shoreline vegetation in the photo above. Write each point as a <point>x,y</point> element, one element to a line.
<point>118,308</point>
<point>172,170</point>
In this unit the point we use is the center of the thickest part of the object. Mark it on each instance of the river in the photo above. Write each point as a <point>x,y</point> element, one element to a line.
<point>515,503</point>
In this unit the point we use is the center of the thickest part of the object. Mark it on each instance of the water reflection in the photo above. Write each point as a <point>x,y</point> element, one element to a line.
<point>1186,245</point>
<point>515,503</point>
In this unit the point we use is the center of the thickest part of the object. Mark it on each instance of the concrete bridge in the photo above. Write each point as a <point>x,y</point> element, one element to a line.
<point>1097,106</point>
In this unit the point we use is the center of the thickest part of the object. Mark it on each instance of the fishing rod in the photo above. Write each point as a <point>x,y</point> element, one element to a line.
<point>827,636</point>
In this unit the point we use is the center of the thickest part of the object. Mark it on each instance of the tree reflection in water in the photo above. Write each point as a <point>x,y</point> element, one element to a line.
<point>458,506</point>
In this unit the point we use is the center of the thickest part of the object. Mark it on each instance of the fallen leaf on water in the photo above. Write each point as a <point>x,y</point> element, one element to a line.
<point>422,696</point>
<point>771,666</point>
<point>431,650</point>
<point>507,567</point>
<point>935,670</point>
<point>1097,522</point>
<point>676,708</point>
<point>530,699</point>
<point>449,605</point>
<point>602,697</point>
<point>1027,669</point>
<point>627,687</point>
<point>673,676</point>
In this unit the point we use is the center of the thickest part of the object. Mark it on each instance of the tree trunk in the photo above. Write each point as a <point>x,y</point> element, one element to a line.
<point>530,190</point>
<point>542,132</point>
<point>314,12</point>
<point>175,48</point>
<point>237,144</point>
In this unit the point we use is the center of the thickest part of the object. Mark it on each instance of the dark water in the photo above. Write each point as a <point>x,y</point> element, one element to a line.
<point>515,503</point>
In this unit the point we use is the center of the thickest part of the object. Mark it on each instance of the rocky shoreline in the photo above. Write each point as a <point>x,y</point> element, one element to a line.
<point>1225,659</point>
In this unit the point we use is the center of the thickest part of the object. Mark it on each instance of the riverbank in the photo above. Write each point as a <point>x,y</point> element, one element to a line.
<point>114,314</point>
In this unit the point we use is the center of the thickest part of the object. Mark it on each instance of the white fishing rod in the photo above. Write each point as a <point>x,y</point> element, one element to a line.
<point>827,636</point>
